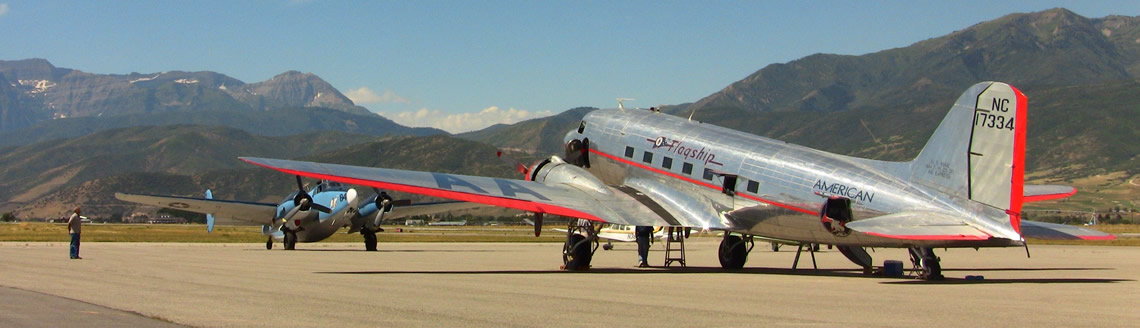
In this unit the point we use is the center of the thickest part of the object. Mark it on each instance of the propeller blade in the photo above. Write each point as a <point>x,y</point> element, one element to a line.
<point>512,162</point>
<point>321,208</point>
<point>300,184</point>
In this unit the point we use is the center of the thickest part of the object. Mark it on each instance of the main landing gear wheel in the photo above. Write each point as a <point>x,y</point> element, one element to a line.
<point>927,263</point>
<point>576,253</point>
<point>369,239</point>
<point>732,252</point>
<point>269,243</point>
<point>608,246</point>
<point>290,240</point>
<point>775,246</point>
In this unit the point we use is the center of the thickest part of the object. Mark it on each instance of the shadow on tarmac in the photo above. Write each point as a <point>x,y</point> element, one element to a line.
<point>384,250</point>
<point>841,273</point>
<point>961,281</point>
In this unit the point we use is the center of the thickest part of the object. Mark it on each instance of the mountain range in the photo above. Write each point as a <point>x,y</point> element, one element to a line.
<point>1080,75</point>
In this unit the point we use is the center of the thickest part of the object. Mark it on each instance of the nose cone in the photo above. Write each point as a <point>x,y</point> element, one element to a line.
<point>350,195</point>
<point>570,135</point>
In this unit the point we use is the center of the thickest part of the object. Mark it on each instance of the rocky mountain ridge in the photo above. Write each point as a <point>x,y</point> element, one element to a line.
<point>34,90</point>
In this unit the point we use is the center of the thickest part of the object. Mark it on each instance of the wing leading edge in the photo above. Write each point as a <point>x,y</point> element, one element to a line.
<point>611,206</point>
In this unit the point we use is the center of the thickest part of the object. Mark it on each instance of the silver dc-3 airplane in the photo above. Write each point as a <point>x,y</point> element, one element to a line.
<point>644,168</point>
<point>302,216</point>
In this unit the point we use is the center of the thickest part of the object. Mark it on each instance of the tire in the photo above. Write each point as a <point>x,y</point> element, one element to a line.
<point>732,253</point>
<point>931,265</point>
<point>290,240</point>
<point>369,241</point>
<point>775,246</point>
<point>576,258</point>
<point>269,243</point>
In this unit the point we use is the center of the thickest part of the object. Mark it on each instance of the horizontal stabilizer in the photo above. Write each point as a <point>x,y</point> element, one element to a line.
<point>1053,231</point>
<point>915,225</point>
<point>1037,193</point>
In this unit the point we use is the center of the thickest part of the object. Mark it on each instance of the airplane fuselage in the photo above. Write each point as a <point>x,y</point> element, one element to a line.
<point>779,188</point>
<point>314,225</point>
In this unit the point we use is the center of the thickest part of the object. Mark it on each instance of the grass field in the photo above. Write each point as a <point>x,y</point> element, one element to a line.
<point>196,233</point>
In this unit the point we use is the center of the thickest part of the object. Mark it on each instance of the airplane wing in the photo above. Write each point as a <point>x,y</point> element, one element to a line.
<point>919,225</point>
<point>258,213</point>
<point>429,209</point>
<point>1037,193</point>
<point>1042,230</point>
<point>608,205</point>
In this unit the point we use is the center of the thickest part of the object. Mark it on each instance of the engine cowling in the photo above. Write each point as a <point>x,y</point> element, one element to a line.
<point>556,171</point>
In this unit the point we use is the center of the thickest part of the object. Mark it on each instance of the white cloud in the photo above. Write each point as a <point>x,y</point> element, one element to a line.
<point>464,122</point>
<point>3,9</point>
<point>364,95</point>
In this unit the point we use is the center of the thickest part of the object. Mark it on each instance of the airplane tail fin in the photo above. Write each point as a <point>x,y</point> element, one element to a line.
<point>978,152</point>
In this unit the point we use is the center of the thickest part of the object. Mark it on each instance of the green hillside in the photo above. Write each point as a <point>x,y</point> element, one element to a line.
<point>278,122</point>
<point>233,179</point>
<point>36,170</point>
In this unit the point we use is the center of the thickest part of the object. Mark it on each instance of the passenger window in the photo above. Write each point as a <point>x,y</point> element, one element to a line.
<point>629,151</point>
<point>708,174</point>
<point>667,162</point>
<point>753,186</point>
<point>647,157</point>
<point>687,168</point>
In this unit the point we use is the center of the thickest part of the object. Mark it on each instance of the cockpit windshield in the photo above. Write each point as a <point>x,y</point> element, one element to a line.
<point>326,185</point>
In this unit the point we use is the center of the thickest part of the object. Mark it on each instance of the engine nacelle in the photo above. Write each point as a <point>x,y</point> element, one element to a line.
<point>556,171</point>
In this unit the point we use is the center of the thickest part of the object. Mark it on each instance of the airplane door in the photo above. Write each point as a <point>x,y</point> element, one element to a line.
<point>728,189</point>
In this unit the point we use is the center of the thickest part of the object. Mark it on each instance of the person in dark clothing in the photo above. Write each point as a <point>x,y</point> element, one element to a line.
<point>75,227</point>
<point>644,236</point>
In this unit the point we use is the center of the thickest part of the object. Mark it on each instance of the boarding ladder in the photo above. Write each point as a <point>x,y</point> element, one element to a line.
<point>675,246</point>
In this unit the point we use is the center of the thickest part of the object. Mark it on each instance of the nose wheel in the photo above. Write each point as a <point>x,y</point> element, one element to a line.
<point>269,243</point>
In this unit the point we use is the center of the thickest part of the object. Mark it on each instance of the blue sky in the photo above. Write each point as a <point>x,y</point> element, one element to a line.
<point>463,65</point>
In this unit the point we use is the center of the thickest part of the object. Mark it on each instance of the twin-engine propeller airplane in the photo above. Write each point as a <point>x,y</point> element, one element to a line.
<point>644,168</point>
<point>302,216</point>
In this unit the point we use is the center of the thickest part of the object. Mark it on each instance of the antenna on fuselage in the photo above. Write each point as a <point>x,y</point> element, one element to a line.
<point>622,106</point>
<point>691,114</point>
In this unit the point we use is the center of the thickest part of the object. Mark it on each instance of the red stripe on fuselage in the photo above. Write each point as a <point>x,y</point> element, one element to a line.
<point>698,182</point>
<point>930,237</point>
<point>449,194</point>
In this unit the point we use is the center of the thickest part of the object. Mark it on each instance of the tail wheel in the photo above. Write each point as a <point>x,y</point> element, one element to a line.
<point>576,254</point>
<point>732,252</point>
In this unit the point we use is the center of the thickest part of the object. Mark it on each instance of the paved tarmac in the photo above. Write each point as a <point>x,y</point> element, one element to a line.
<point>510,285</point>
